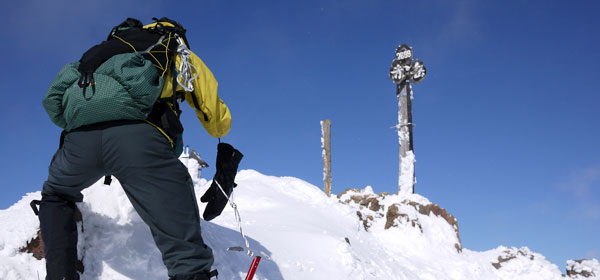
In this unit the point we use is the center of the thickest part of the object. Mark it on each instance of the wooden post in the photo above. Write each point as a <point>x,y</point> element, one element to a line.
<point>326,145</point>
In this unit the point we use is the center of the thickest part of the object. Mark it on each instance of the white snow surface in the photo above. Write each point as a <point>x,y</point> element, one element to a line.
<point>300,232</point>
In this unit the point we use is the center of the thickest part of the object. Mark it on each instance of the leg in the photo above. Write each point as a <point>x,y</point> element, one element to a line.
<point>59,232</point>
<point>161,190</point>
<point>73,167</point>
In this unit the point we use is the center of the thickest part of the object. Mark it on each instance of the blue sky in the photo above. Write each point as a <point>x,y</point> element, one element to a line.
<point>506,121</point>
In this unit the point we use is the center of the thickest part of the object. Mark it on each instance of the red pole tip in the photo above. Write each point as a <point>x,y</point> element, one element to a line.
<point>253,268</point>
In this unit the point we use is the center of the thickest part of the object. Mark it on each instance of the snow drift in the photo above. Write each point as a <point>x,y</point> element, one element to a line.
<point>300,232</point>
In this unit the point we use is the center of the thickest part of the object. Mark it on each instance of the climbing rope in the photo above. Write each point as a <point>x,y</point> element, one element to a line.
<point>239,221</point>
<point>187,72</point>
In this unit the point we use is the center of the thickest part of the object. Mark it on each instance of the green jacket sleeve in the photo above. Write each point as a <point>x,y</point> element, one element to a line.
<point>53,102</point>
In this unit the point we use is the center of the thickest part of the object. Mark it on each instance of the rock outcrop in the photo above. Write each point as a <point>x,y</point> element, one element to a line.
<point>374,206</point>
<point>583,268</point>
<point>35,247</point>
<point>511,254</point>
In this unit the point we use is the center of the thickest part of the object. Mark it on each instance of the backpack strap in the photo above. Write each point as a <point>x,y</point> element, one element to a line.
<point>177,28</point>
<point>176,95</point>
<point>34,206</point>
<point>107,180</point>
<point>174,86</point>
<point>213,273</point>
<point>128,23</point>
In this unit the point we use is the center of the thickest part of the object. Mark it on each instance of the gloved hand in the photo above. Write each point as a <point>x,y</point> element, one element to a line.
<point>228,159</point>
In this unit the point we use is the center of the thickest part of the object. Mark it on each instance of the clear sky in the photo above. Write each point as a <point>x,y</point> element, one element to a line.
<point>506,135</point>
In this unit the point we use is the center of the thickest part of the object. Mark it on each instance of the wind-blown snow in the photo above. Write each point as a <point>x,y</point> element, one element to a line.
<point>300,232</point>
<point>406,178</point>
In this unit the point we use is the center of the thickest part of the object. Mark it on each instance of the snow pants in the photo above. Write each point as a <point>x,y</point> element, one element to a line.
<point>155,181</point>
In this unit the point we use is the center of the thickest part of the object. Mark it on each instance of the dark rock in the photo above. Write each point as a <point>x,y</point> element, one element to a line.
<point>440,212</point>
<point>35,247</point>
<point>339,196</point>
<point>366,219</point>
<point>510,255</point>
<point>370,201</point>
<point>374,203</point>
<point>573,269</point>
<point>393,214</point>
<point>501,260</point>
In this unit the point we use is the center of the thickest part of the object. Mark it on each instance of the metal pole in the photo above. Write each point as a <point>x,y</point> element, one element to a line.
<point>411,144</point>
<point>404,71</point>
<point>409,98</point>
<point>406,156</point>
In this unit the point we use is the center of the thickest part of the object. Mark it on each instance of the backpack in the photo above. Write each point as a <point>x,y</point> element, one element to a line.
<point>121,79</point>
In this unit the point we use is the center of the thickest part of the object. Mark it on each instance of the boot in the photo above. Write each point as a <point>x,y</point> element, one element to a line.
<point>199,276</point>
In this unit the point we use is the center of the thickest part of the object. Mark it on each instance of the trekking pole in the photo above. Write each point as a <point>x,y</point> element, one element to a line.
<point>256,260</point>
<point>253,268</point>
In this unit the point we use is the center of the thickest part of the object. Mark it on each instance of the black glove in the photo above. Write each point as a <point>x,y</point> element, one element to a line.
<point>228,159</point>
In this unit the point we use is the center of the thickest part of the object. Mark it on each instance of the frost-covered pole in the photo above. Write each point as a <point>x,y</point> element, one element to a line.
<point>403,72</point>
<point>326,145</point>
<point>406,174</point>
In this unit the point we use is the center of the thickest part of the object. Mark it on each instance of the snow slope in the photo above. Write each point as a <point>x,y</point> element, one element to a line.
<point>300,232</point>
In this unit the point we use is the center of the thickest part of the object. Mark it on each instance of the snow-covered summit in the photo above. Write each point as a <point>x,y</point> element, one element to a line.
<point>300,232</point>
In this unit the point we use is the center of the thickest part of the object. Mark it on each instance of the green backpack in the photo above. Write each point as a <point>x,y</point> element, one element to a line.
<point>126,88</point>
<point>118,79</point>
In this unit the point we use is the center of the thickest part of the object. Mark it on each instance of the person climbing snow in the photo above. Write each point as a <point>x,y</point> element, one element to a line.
<point>119,108</point>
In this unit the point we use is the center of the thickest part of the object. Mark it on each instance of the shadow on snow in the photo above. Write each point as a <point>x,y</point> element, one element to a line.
<point>127,250</point>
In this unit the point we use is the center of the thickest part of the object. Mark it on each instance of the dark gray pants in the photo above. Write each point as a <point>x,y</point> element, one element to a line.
<point>155,181</point>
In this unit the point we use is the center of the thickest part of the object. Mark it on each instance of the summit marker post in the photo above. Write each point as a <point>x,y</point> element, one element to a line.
<point>403,72</point>
<point>326,145</point>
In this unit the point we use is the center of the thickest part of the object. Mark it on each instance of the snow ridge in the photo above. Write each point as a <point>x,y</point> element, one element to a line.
<point>300,232</point>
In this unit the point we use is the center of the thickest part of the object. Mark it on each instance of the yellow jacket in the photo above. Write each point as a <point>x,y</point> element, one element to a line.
<point>210,109</point>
